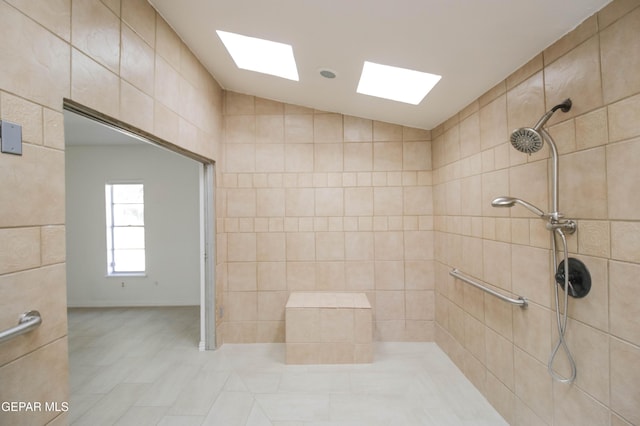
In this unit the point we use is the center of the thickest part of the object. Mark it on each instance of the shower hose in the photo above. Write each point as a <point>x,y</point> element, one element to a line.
<point>561,318</point>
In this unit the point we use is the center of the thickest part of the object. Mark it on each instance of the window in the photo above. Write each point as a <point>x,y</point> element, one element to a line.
<point>125,229</point>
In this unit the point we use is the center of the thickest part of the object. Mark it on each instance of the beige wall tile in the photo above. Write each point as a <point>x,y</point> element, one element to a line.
<point>573,406</point>
<point>301,276</point>
<point>624,378</point>
<point>241,203</point>
<point>271,305</point>
<point>95,30</point>
<point>493,123</point>
<point>53,129</point>
<point>268,106</point>
<point>531,273</point>
<point>358,201</point>
<point>594,238</point>
<point>624,313</point>
<point>242,306</point>
<point>389,305</point>
<point>301,246</point>
<point>330,246</point>
<point>583,184</point>
<point>53,244</point>
<point>270,202</point>
<point>529,182</point>
<point>525,102</point>
<point>359,275</point>
<point>137,106</point>
<point>298,128</point>
<point>269,128</point>
<point>386,131</point>
<point>576,76</point>
<point>497,264</point>
<point>241,247</point>
<point>42,289</point>
<point>357,129</point>
<point>46,369</point>
<point>622,174</point>
<point>94,85</point>
<point>327,128</point>
<point>242,276</point>
<point>387,201</point>
<point>140,16</point>
<point>387,156</point>
<point>168,44</point>
<point>620,46</point>
<point>328,157</point>
<point>33,189</point>
<point>53,15</point>
<point>298,157</point>
<point>272,276</point>
<point>389,275</point>
<point>533,385</point>
<point>300,202</point>
<point>26,114</point>
<point>592,129</point>
<point>416,156</point>
<point>330,276</point>
<point>623,123</point>
<point>137,61</point>
<point>625,241</point>
<point>42,76</point>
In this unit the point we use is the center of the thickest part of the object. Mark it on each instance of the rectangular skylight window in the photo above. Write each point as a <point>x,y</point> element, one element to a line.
<point>396,84</point>
<point>263,56</point>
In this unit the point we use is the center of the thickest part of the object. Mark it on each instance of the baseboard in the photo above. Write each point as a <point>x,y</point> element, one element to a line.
<point>125,304</point>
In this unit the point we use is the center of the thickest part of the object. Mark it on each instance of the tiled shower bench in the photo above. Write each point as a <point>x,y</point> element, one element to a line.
<point>328,328</point>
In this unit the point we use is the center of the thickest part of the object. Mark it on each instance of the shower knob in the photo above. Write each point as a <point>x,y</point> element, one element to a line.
<point>579,278</point>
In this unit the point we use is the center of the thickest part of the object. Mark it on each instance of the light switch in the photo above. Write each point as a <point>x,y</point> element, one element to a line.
<point>10,138</point>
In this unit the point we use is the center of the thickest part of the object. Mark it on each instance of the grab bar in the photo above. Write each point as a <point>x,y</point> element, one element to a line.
<point>27,322</point>
<point>520,301</point>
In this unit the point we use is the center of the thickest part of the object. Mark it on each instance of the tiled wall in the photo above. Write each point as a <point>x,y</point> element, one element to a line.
<point>320,201</point>
<point>502,349</point>
<point>123,60</point>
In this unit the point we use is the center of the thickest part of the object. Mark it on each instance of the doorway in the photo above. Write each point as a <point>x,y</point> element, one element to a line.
<point>178,228</point>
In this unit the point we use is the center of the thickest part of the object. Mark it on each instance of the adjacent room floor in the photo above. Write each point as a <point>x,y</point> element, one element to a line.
<point>141,366</point>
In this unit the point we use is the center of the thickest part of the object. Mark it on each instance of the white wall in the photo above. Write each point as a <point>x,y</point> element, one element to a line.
<point>171,190</point>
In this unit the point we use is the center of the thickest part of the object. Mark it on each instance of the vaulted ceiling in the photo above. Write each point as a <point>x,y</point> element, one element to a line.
<point>472,44</point>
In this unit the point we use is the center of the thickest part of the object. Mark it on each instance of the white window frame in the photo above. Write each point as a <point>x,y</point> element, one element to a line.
<point>112,271</point>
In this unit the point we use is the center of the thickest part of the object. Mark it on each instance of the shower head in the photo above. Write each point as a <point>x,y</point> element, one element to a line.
<point>526,140</point>
<point>530,139</point>
<point>511,201</point>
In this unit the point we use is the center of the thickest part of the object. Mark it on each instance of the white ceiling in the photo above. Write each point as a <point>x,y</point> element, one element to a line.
<point>473,44</point>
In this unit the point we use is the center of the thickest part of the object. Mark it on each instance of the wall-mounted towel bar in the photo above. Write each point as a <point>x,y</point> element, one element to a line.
<point>520,301</point>
<point>27,322</point>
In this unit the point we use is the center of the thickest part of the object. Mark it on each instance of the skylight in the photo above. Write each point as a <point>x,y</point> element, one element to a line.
<point>396,84</point>
<point>263,56</point>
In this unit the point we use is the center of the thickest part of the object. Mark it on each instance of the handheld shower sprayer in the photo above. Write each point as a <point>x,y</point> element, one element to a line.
<point>510,202</point>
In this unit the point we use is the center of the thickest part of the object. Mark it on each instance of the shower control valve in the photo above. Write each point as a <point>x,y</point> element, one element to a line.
<point>568,225</point>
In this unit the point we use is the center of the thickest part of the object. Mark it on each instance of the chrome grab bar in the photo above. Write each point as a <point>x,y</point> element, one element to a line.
<point>520,301</point>
<point>27,322</point>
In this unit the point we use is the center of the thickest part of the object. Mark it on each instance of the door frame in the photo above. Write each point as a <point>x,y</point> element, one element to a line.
<point>206,209</point>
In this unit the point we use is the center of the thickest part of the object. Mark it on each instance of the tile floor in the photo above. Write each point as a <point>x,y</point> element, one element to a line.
<point>141,366</point>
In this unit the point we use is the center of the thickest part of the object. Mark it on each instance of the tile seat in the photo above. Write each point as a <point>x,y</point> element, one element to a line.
<point>328,328</point>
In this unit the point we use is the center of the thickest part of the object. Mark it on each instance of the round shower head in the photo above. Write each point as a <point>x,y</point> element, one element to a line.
<point>526,140</point>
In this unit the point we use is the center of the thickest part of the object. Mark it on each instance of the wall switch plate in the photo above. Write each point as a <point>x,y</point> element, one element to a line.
<point>10,138</point>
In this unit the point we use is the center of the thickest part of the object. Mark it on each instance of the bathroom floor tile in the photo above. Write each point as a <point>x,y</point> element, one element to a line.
<point>142,366</point>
